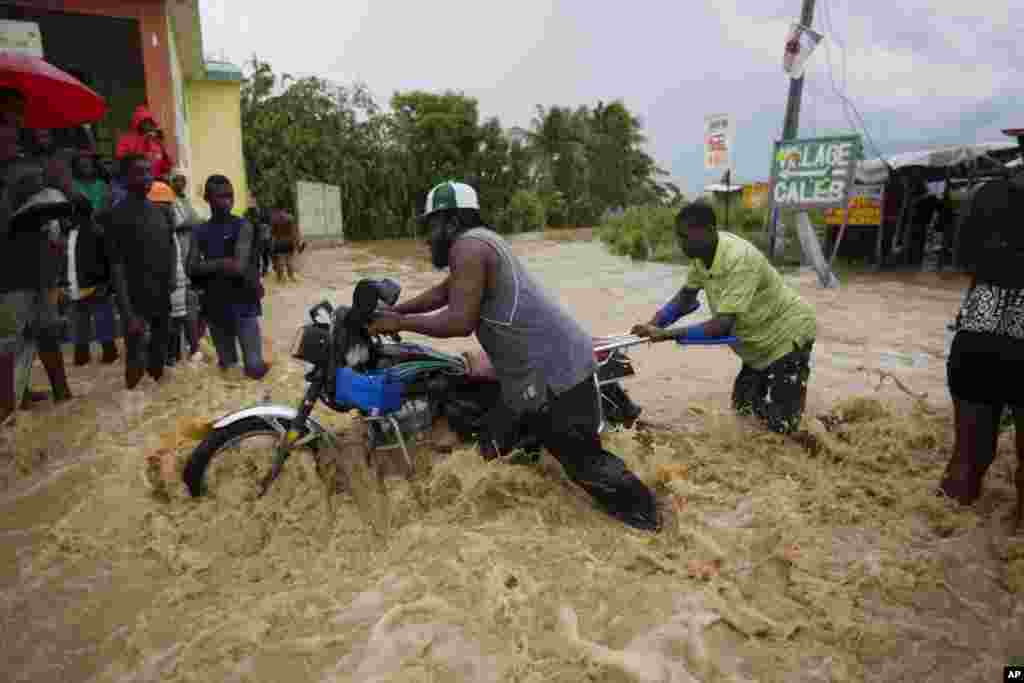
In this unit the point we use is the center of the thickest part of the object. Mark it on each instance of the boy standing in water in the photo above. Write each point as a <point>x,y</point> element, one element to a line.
<point>222,261</point>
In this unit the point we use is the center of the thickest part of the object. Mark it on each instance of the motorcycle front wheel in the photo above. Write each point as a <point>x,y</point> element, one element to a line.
<point>237,457</point>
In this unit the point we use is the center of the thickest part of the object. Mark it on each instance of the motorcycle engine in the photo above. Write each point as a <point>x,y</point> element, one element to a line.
<point>415,418</point>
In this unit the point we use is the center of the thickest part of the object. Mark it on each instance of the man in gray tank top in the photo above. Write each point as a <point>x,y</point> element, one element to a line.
<point>543,358</point>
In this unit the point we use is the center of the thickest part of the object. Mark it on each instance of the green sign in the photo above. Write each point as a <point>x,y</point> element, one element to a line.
<point>814,173</point>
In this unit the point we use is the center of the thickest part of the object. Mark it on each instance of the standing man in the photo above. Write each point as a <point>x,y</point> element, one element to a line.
<point>183,205</point>
<point>222,260</point>
<point>287,240</point>
<point>143,263</point>
<point>87,180</point>
<point>749,300</point>
<point>188,220</point>
<point>29,267</point>
<point>543,359</point>
<point>88,269</point>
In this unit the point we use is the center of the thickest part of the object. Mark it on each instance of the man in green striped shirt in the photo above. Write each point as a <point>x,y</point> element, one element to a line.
<point>774,327</point>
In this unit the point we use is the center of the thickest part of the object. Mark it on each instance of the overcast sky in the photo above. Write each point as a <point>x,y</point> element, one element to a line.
<point>921,73</point>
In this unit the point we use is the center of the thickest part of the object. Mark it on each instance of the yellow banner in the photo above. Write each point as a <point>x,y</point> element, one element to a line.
<point>755,195</point>
<point>863,211</point>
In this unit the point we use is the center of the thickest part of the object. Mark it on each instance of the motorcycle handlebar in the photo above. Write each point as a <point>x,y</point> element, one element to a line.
<point>322,306</point>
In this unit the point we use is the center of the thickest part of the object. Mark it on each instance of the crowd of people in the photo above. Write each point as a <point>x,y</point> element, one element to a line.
<point>97,251</point>
<point>126,245</point>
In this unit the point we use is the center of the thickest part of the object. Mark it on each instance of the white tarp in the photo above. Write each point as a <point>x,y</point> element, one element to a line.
<point>874,171</point>
<point>722,187</point>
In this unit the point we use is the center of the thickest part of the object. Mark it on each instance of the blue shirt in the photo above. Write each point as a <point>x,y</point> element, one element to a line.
<point>226,297</point>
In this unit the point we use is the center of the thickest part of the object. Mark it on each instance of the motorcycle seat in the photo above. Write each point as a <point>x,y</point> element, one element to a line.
<point>404,353</point>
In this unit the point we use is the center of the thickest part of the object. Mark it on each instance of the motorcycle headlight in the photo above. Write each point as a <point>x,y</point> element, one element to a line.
<point>311,344</point>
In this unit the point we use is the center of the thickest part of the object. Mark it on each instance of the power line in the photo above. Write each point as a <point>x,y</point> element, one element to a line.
<point>846,102</point>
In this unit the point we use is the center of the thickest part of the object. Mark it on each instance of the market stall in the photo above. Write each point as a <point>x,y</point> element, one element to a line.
<point>906,210</point>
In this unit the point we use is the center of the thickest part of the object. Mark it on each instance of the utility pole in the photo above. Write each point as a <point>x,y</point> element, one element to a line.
<point>796,85</point>
<point>791,124</point>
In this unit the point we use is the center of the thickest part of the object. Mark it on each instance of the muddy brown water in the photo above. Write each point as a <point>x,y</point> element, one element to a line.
<point>775,565</point>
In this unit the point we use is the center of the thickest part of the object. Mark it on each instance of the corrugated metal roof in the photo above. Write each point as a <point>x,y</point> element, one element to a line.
<point>222,71</point>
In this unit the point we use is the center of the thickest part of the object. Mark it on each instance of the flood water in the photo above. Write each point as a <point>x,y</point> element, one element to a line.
<point>495,572</point>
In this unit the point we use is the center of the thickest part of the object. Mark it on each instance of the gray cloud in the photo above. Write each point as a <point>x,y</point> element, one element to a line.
<point>921,73</point>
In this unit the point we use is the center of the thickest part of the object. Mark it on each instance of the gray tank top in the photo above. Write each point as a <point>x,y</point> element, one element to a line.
<point>533,343</point>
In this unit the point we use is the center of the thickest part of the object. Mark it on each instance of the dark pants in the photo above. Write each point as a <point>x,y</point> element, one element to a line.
<point>777,394</point>
<point>568,428</point>
<point>148,352</point>
<point>187,326</point>
<point>243,332</point>
<point>98,311</point>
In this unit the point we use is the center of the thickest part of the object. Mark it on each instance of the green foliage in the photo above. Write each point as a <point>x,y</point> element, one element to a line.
<point>525,213</point>
<point>555,208</point>
<point>648,232</point>
<point>644,233</point>
<point>577,163</point>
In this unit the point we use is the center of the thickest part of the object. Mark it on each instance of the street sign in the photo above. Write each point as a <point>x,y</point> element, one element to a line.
<point>865,207</point>
<point>718,136</point>
<point>814,173</point>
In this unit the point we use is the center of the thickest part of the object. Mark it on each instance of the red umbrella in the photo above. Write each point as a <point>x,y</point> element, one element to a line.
<point>53,98</point>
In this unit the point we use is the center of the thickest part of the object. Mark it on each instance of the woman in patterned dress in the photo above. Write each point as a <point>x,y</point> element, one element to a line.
<point>986,361</point>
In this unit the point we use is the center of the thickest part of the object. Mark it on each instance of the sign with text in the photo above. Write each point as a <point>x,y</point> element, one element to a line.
<point>21,36</point>
<point>800,43</point>
<point>717,142</point>
<point>814,173</point>
<point>865,207</point>
<point>755,196</point>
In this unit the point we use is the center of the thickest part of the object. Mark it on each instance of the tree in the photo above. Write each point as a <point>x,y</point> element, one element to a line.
<point>439,136</point>
<point>579,162</point>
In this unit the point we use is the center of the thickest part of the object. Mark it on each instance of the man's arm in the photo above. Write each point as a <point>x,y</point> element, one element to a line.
<point>175,256</point>
<point>199,268</point>
<point>676,307</point>
<point>467,284</point>
<point>429,301</point>
<point>722,325</point>
<point>118,277</point>
<point>736,297</point>
<point>244,246</point>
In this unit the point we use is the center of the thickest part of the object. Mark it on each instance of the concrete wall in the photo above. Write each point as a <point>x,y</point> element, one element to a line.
<point>183,159</point>
<point>215,124</point>
<point>319,211</point>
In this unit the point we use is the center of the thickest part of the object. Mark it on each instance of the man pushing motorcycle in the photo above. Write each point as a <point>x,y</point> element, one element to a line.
<point>543,359</point>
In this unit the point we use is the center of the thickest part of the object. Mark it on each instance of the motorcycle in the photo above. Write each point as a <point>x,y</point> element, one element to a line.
<point>398,389</point>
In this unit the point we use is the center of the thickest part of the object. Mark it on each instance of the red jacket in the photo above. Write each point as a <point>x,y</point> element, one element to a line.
<point>134,142</point>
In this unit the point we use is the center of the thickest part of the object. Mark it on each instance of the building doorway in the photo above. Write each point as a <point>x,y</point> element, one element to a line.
<point>103,52</point>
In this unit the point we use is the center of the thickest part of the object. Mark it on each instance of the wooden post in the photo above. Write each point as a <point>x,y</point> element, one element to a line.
<point>881,231</point>
<point>842,231</point>
<point>791,122</point>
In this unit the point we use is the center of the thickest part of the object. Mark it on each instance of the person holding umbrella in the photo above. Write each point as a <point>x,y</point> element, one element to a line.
<point>29,87</point>
<point>27,318</point>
